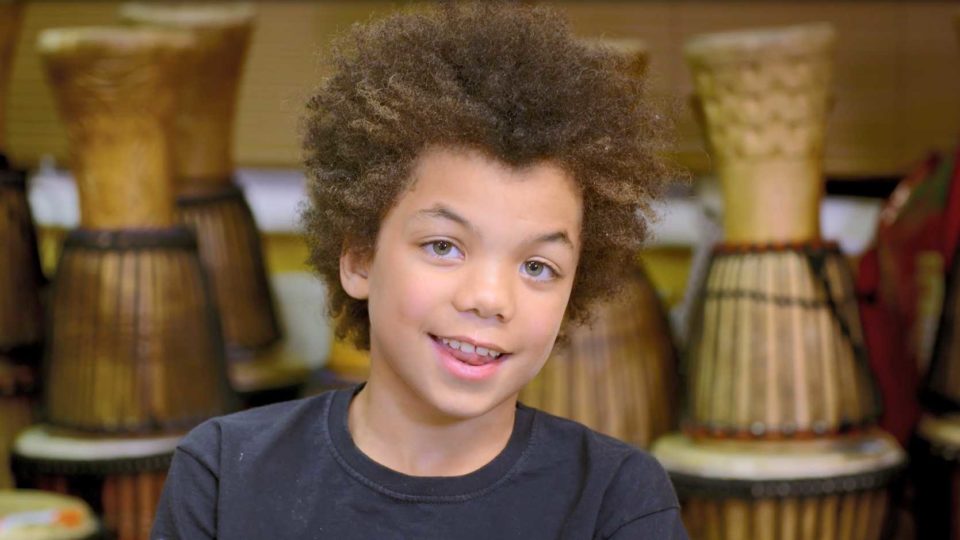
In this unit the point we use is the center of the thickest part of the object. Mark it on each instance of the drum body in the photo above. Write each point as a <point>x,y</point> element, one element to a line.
<point>45,516</point>
<point>837,489</point>
<point>777,348</point>
<point>616,375</point>
<point>936,477</point>
<point>261,369</point>
<point>121,479</point>
<point>135,342</point>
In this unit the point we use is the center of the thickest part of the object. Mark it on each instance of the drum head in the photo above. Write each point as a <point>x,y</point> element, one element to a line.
<point>42,515</point>
<point>45,451</point>
<point>780,468</point>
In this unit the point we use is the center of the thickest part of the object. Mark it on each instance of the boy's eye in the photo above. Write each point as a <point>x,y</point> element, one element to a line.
<point>539,270</point>
<point>442,249</point>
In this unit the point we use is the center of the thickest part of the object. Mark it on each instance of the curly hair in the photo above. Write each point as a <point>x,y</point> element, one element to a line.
<point>507,80</point>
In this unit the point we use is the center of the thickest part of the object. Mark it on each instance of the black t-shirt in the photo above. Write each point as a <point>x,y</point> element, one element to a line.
<point>291,470</point>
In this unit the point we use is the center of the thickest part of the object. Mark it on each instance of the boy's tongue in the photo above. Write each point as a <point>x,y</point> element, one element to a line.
<point>473,359</point>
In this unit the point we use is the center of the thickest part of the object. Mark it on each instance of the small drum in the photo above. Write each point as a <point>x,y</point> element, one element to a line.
<point>776,349</point>
<point>936,477</point>
<point>37,515</point>
<point>617,375</point>
<point>837,488</point>
<point>121,479</point>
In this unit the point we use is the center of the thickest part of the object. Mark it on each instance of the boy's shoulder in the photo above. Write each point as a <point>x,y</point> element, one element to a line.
<point>259,427</point>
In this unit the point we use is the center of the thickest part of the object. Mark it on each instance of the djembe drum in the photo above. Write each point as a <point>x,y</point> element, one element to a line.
<point>779,398</point>
<point>121,478</point>
<point>616,375</point>
<point>209,201</point>
<point>134,338</point>
<point>36,515</point>
<point>21,279</point>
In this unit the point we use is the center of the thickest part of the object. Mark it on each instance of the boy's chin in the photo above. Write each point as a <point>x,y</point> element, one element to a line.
<point>460,406</point>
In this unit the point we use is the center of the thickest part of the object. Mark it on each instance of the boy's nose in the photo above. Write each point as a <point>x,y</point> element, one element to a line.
<point>487,291</point>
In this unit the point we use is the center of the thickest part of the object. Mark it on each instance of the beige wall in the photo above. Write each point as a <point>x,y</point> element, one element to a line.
<point>897,71</point>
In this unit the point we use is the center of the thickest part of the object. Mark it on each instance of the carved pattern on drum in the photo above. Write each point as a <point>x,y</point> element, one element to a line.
<point>115,89</point>
<point>616,375</point>
<point>135,345</point>
<point>21,317</point>
<point>764,94</point>
<point>777,349</point>
<point>207,100</point>
<point>852,516</point>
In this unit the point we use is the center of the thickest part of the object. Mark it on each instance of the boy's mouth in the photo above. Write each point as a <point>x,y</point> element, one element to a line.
<point>469,352</point>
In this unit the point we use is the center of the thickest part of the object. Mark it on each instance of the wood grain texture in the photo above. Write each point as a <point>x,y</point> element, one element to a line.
<point>207,97</point>
<point>777,347</point>
<point>116,91</point>
<point>134,345</point>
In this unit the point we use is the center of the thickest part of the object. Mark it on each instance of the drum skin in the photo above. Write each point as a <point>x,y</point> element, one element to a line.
<point>616,375</point>
<point>63,517</point>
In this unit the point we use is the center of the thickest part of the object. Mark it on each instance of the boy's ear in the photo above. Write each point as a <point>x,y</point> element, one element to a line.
<point>354,274</point>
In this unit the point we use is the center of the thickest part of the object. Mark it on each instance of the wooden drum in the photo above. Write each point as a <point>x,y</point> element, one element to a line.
<point>208,200</point>
<point>777,348</point>
<point>135,340</point>
<point>37,515</point>
<point>617,375</point>
<point>829,489</point>
<point>121,478</point>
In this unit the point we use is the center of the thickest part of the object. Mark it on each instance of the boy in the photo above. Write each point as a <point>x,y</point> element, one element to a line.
<point>476,179</point>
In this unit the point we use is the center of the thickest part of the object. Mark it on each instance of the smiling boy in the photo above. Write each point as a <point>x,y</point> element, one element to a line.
<point>478,178</point>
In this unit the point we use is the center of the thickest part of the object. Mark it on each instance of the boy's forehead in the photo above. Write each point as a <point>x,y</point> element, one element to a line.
<point>470,188</point>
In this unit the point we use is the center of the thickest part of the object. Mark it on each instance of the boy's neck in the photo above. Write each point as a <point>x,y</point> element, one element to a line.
<point>392,430</point>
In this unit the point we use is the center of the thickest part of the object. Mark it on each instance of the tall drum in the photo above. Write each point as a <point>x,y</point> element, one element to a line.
<point>210,202</point>
<point>779,398</point>
<point>135,342</point>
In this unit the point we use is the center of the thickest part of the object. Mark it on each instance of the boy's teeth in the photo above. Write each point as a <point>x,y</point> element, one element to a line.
<point>468,348</point>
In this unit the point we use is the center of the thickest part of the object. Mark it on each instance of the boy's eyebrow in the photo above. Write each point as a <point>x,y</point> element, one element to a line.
<point>443,212</point>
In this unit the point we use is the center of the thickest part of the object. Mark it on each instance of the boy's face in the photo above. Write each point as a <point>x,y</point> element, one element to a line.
<point>475,252</point>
